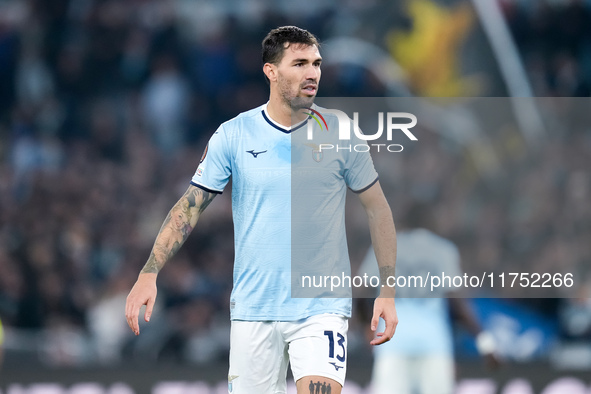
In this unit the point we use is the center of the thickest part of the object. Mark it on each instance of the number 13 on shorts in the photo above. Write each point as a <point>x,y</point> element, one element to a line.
<point>341,349</point>
<point>319,347</point>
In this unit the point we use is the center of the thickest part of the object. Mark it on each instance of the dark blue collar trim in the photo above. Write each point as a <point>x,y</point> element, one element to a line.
<point>286,131</point>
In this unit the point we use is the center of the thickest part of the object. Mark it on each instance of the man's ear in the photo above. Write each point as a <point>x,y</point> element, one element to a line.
<point>270,71</point>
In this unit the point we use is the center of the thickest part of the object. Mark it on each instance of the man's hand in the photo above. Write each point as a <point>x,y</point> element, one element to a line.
<point>143,293</point>
<point>177,226</point>
<point>384,307</point>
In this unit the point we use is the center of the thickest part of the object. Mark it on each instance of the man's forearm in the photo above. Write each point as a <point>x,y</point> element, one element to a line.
<point>177,226</point>
<point>383,238</point>
<point>162,250</point>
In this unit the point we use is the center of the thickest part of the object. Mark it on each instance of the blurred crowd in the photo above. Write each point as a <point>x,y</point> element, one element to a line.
<point>554,39</point>
<point>106,106</point>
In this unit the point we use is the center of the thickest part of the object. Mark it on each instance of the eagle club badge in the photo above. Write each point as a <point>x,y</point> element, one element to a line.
<point>231,383</point>
<point>317,154</point>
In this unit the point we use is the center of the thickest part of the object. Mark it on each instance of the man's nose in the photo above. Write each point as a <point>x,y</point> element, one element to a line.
<point>312,73</point>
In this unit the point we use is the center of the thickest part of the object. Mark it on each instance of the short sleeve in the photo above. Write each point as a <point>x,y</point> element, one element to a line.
<point>360,173</point>
<point>215,167</point>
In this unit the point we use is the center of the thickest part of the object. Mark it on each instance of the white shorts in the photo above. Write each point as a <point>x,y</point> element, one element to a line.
<point>260,352</point>
<point>400,374</point>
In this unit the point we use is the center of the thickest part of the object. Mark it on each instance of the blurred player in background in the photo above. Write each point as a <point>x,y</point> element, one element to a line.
<point>421,360</point>
<point>269,327</point>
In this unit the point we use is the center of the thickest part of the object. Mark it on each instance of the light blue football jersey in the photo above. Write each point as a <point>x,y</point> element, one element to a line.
<point>284,192</point>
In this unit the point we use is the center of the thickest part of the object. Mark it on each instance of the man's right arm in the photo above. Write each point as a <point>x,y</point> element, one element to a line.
<point>175,230</point>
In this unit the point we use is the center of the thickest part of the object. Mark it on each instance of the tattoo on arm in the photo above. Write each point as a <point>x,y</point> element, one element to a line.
<point>176,227</point>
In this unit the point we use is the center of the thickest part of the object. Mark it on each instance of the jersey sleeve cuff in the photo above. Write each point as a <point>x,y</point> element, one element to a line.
<point>205,188</point>
<point>366,187</point>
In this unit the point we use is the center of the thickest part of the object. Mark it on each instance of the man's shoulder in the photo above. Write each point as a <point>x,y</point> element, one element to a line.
<point>243,116</point>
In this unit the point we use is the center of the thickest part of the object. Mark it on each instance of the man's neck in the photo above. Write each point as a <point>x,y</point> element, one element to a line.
<point>281,113</point>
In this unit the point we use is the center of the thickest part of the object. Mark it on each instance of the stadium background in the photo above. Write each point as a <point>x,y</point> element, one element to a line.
<point>105,107</point>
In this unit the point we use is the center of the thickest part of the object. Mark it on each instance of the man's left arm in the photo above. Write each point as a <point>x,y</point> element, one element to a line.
<point>383,239</point>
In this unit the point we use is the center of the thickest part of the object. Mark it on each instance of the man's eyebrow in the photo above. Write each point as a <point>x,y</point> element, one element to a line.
<point>304,60</point>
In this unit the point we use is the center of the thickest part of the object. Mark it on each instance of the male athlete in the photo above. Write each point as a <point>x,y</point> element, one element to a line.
<point>421,360</point>
<point>269,328</point>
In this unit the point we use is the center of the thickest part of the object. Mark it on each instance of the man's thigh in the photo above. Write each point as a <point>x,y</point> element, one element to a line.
<point>318,353</point>
<point>258,359</point>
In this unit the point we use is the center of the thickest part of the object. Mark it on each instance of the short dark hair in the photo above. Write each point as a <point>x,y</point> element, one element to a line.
<point>274,43</point>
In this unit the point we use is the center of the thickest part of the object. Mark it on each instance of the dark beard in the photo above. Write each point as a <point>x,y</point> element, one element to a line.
<point>296,103</point>
<point>299,103</point>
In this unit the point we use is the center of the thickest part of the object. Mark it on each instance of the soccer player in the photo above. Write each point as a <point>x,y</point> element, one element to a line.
<point>269,327</point>
<point>421,360</point>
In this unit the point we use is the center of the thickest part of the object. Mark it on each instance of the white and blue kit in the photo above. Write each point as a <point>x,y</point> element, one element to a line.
<point>273,195</point>
<point>288,206</point>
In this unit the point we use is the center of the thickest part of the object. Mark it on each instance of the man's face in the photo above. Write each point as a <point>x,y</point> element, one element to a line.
<point>298,75</point>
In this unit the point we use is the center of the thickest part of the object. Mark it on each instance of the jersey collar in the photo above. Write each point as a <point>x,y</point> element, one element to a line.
<point>286,130</point>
